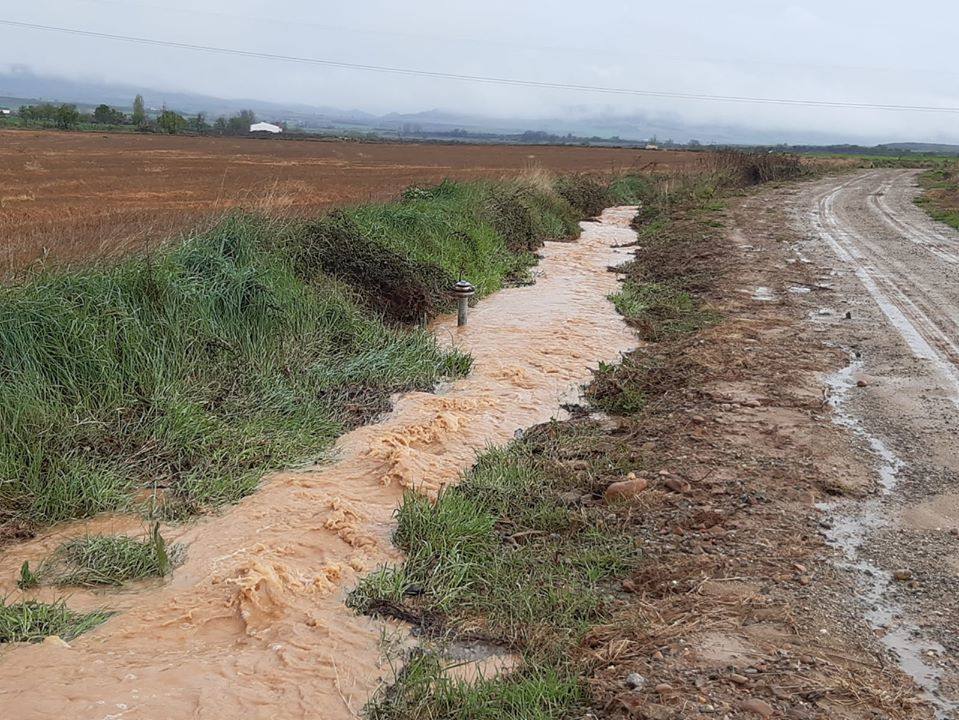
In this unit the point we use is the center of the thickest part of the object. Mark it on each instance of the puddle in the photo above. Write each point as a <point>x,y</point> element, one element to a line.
<point>851,523</point>
<point>253,624</point>
<point>764,294</point>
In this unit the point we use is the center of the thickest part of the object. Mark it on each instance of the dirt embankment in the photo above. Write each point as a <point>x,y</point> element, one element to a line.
<point>74,196</point>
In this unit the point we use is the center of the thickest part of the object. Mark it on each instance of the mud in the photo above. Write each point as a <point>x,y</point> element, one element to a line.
<point>895,273</point>
<point>253,624</point>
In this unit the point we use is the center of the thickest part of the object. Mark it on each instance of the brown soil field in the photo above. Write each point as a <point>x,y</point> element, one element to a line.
<point>71,197</point>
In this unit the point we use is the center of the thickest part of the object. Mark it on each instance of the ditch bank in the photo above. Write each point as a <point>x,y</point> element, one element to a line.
<point>253,623</point>
<point>660,554</point>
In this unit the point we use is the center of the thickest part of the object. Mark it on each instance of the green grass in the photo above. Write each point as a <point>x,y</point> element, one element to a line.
<point>32,621</point>
<point>247,347</point>
<point>105,560</point>
<point>659,310</point>
<point>503,557</point>
<point>423,692</point>
<point>539,593</point>
<point>940,197</point>
<point>198,369</point>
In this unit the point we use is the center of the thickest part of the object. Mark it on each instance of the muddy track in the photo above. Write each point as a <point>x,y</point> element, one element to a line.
<point>905,261</point>
<point>894,277</point>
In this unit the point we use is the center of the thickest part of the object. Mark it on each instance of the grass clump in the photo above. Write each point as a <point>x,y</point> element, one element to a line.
<point>588,194</point>
<point>192,373</point>
<point>105,560</point>
<point>32,621</point>
<point>659,310</point>
<point>940,192</point>
<point>503,557</point>
<point>504,547</point>
<point>424,692</point>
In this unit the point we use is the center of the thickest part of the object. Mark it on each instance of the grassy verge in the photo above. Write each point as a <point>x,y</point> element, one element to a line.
<point>531,550</point>
<point>940,192</point>
<point>181,378</point>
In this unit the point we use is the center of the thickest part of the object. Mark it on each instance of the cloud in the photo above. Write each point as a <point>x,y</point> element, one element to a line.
<point>816,49</point>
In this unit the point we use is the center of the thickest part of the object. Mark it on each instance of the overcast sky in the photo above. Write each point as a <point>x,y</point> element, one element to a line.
<point>880,52</point>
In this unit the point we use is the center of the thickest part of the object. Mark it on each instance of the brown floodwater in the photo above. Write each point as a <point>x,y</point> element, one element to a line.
<point>253,624</point>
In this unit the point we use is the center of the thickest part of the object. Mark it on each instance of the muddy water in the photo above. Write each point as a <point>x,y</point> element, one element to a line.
<point>253,624</point>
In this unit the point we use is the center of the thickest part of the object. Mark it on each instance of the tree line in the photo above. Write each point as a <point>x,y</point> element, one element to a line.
<point>66,116</point>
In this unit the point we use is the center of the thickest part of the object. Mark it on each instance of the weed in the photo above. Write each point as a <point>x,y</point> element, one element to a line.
<point>109,560</point>
<point>940,196</point>
<point>32,621</point>
<point>588,194</point>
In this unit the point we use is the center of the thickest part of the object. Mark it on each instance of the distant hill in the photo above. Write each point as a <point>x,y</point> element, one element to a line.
<point>20,85</point>
<point>918,147</point>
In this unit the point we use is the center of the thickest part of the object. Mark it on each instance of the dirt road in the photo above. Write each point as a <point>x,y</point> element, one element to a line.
<point>895,272</point>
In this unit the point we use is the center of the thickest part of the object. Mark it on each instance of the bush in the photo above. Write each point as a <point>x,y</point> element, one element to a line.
<point>743,168</point>
<point>587,194</point>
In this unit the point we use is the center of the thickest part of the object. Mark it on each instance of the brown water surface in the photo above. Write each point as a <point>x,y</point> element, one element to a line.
<point>253,624</point>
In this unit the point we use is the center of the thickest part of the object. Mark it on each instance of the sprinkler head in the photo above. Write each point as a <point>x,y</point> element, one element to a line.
<point>463,289</point>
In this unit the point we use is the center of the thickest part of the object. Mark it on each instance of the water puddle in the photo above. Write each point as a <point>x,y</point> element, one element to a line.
<point>850,525</point>
<point>253,624</point>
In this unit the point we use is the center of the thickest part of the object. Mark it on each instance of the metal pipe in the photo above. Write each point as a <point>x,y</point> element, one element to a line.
<point>463,291</point>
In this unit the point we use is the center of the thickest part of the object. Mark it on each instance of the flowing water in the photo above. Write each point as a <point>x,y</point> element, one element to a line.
<point>253,624</point>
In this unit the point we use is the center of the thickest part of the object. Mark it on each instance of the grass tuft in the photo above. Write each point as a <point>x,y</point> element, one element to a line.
<point>106,560</point>
<point>32,621</point>
<point>423,692</point>
<point>659,310</point>
<point>503,546</point>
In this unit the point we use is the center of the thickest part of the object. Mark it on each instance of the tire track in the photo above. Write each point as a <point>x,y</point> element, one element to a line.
<point>866,234</point>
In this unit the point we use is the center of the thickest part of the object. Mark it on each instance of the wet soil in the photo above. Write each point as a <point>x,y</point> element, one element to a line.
<point>895,271</point>
<point>821,453</point>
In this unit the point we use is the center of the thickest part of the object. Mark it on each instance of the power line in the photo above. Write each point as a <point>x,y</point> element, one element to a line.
<point>484,79</point>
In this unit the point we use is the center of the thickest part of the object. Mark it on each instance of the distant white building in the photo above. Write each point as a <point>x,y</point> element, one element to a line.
<point>265,127</point>
<point>5,111</point>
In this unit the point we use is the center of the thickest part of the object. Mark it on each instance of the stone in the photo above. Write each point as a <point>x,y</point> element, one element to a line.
<point>902,575</point>
<point>757,706</point>
<point>625,490</point>
<point>677,485</point>
<point>664,688</point>
<point>635,681</point>
<point>861,383</point>
<point>738,679</point>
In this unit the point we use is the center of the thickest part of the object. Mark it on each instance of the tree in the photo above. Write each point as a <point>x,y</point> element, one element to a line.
<point>106,115</point>
<point>171,122</point>
<point>139,116</point>
<point>67,117</point>
<point>240,123</point>
<point>199,123</point>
